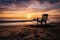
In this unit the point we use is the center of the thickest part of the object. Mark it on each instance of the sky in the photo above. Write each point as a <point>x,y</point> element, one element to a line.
<point>28,8</point>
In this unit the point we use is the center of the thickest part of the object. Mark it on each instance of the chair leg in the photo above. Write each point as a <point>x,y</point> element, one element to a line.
<point>41,23</point>
<point>37,22</point>
<point>45,22</point>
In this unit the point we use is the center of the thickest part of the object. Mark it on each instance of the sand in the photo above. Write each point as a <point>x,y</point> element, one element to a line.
<point>31,32</point>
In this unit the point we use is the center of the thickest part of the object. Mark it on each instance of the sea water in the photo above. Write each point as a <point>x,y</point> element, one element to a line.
<point>24,23</point>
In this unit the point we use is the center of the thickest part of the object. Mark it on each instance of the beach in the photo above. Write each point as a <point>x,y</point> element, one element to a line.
<point>30,32</point>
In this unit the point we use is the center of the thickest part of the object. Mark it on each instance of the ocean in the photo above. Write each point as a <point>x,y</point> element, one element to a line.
<point>23,23</point>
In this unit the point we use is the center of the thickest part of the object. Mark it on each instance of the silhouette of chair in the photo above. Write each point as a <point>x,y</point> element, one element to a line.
<point>43,19</point>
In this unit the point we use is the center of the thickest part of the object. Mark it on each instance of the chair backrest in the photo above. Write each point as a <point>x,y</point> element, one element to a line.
<point>44,17</point>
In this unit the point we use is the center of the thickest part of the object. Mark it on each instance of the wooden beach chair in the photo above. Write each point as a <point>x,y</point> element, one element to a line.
<point>43,19</point>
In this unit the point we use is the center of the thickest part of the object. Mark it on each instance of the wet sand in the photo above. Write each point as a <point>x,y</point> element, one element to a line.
<point>31,32</point>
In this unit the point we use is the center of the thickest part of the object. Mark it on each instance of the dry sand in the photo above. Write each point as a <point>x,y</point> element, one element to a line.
<point>30,32</point>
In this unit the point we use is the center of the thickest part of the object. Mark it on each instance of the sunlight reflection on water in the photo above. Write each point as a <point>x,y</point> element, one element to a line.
<point>27,23</point>
<point>18,23</point>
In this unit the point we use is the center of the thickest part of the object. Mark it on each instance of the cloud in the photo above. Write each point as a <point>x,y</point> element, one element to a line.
<point>22,5</point>
<point>49,1</point>
<point>49,6</point>
<point>23,0</point>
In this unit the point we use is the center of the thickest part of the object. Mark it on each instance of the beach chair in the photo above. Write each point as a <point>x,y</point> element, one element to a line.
<point>43,19</point>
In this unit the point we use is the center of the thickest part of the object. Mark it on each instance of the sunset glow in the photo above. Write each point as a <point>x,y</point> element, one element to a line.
<point>28,16</point>
<point>28,10</point>
<point>29,19</point>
